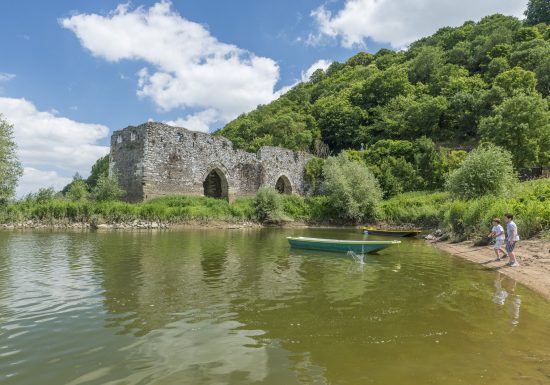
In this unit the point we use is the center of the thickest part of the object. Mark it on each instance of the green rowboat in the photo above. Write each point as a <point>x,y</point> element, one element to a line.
<point>362,247</point>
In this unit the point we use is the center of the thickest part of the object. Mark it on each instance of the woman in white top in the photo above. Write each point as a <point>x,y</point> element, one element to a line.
<point>497,232</point>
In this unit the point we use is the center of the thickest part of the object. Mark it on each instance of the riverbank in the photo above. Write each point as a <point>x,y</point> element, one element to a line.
<point>533,254</point>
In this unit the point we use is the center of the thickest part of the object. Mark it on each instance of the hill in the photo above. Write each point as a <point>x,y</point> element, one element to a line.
<point>485,81</point>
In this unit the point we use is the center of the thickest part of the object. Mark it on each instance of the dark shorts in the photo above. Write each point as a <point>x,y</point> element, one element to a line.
<point>510,246</point>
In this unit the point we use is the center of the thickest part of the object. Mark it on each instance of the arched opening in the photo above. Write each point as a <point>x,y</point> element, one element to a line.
<point>283,185</point>
<point>215,184</point>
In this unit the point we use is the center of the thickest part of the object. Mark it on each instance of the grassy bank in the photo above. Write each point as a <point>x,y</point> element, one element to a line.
<point>530,202</point>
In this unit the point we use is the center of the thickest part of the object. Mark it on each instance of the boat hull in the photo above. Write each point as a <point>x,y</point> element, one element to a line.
<point>392,233</point>
<point>360,247</point>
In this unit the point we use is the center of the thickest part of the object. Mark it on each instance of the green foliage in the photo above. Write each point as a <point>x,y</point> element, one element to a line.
<point>443,87</point>
<point>78,190</point>
<point>107,189</point>
<point>351,189</point>
<point>520,124</point>
<point>268,205</point>
<point>517,80</point>
<point>99,169</point>
<point>487,170</point>
<point>313,174</point>
<point>335,116</point>
<point>10,168</point>
<point>538,11</point>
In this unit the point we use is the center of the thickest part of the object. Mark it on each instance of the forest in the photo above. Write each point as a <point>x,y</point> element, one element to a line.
<point>412,115</point>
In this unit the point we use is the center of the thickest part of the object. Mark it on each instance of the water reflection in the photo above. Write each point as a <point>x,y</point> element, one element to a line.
<point>501,295</point>
<point>239,307</point>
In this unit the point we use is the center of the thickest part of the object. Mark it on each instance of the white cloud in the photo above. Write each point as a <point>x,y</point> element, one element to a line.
<point>400,22</point>
<point>4,76</point>
<point>33,179</point>
<point>48,142</point>
<point>319,64</point>
<point>187,66</point>
<point>200,121</point>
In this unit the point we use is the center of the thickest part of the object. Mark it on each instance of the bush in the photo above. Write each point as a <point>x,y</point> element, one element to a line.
<point>107,189</point>
<point>78,191</point>
<point>45,194</point>
<point>268,205</point>
<point>486,170</point>
<point>352,190</point>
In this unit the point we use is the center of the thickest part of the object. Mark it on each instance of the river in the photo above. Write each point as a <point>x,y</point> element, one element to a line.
<point>241,307</point>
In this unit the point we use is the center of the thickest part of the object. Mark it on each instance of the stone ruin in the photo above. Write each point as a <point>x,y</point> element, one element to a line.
<point>155,159</point>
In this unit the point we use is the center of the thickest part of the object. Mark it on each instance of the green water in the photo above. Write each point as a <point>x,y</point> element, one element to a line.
<point>240,307</point>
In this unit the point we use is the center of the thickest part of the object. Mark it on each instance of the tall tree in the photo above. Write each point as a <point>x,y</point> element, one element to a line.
<point>10,168</point>
<point>521,124</point>
<point>538,11</point>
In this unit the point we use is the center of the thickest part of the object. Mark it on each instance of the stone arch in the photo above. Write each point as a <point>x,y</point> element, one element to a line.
<point>283,185</point>
<point>215,184</point>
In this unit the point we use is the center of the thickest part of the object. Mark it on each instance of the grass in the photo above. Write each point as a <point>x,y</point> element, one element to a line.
<point>470,219</point>
<point>462,219</point>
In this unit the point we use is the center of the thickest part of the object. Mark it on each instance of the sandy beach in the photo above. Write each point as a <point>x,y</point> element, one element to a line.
<point>533,255</point>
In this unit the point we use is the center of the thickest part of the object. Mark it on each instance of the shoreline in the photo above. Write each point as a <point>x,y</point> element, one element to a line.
<point>533,255</point>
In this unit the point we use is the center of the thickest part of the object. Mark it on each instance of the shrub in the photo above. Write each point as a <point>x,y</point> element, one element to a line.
<point>486,170</point>
<point>313,174</point>
<point>78,191</point>
<point>268,205</point>
<point>352,190</point>
<point>45,194</point>
<point>107,189</point>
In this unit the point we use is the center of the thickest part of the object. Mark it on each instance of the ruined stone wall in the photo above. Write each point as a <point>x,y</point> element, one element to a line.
<point>126,160</point>
<point>177,161</point>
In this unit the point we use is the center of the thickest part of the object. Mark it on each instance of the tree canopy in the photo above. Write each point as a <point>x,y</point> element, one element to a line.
<point>10,168</point>
<point>481,82</point>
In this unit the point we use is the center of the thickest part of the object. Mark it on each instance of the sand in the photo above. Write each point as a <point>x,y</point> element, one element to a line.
<point>533,255</point>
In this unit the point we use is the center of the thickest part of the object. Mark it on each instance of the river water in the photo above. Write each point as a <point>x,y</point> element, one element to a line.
<point>240,307</point>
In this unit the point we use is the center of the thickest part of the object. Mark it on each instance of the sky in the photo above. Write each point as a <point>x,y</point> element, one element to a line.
<point>73,71</point>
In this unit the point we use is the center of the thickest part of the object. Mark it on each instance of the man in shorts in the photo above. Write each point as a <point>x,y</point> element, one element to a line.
<point>513,238</point>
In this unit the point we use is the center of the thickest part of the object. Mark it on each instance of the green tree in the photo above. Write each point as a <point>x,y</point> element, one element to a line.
<point>10,168</point>
<point>352,190</point>
<point>78,189</point>
<point>538,11</point>
<point>486,170</point>
<point>383,86</point>
<point>99,169</point>
<point>516,80</point>
<point>107,189</point>
<point>425,63</point>
<point>520,124</point>
<point>44,195</point>
<point>340,122</point>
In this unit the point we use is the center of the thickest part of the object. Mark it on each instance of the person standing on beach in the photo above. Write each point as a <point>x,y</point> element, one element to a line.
<point>513,237</point>
<point>497,232</point>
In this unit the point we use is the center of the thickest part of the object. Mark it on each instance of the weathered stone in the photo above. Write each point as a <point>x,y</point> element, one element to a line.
<point>155,159</point>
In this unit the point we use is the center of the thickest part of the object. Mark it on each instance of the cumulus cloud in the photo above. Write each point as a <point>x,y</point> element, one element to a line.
<point>319,64</point>
<point>200,121</point>
<point>34,179</point>
<point>400,22</point>
<point>187,67</point>
<point>49,145</point>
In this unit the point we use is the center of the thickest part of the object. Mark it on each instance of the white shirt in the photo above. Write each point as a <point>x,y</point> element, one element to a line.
<point>511,227</point>
<point>499,231</point>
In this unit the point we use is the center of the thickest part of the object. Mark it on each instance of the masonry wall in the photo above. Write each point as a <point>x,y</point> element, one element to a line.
<point>165,160</point>
<point>126,156</point>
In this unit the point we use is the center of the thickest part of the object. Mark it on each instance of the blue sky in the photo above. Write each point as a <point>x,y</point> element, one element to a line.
<point>74,71</point>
